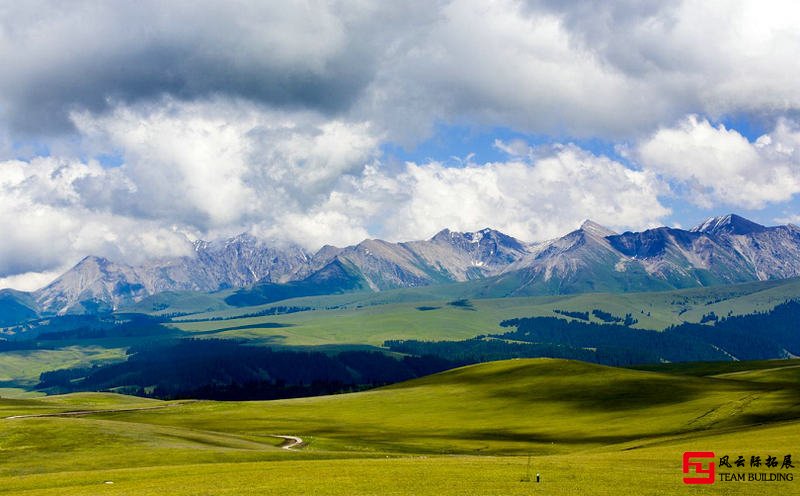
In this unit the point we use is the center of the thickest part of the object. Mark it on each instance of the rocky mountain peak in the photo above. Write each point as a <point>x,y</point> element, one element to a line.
<point>482,236</point>
<point>728,224</point>
<point>591,227</point>
<point>200,245</point>
<point>93,261</point>
<point>443,235</point>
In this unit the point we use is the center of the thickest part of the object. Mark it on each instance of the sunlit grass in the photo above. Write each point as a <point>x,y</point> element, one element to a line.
<point>588,429</point>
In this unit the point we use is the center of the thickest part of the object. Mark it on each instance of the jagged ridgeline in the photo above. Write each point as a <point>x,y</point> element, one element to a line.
<point>249,271</point>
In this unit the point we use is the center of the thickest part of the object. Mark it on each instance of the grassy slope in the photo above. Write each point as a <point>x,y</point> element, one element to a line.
<point>23,367</point>
<point>786,375</point>
<point>590,429</point>
<point>543,406</point>
<point>373,318</point>
<point>649,471</point>
<point>715,369</point>
<point>696,301</point>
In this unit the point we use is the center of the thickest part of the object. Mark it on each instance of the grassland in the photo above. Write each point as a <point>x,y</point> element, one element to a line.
<point>588,430</point>
<point>372,318</point>
<point>23,367</point>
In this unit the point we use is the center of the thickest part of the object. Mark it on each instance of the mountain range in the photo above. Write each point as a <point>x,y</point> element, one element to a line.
<point>721,250</point>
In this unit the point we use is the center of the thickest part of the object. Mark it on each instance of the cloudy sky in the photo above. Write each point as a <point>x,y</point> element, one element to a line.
<point>128,129</point>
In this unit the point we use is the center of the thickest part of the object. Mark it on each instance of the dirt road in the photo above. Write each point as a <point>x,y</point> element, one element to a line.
<point>289,442</point>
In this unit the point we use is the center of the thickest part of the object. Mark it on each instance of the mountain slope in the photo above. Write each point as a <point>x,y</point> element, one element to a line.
<point>96,283</point>
<point>582,261</point>
<point>446,257</point>
<point>722,250</point>
<point>336,277</point>
<point>16,306</point>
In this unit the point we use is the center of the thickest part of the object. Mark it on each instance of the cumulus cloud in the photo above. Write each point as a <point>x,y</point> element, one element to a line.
<point>716,165</point>
<point>534,198</point>
<point>46,222</point>
<point>609,69</point>
<point>30,281</point>
<point>312,180</point>
<point>88,53</point>
<point>189,170</point>
<point>221,164</point>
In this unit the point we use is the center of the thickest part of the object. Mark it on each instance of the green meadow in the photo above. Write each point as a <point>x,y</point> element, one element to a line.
<point>482,429</point>
<point>22,367</point>
<point>372,318</point>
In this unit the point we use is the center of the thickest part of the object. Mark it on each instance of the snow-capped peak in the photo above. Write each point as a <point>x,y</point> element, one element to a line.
<point>731,224</point>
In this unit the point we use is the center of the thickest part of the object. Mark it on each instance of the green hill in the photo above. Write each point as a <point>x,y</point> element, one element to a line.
<point>590,429</point>
<point>540,406</point>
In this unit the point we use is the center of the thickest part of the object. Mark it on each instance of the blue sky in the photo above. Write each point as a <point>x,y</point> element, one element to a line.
<point>130,130</point>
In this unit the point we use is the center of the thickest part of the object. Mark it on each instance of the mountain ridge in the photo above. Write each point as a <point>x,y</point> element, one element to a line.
<point>720,250</point>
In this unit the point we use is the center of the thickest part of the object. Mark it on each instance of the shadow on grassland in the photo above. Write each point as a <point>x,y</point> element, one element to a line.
<point>588,386</point>
<point>617,394</point>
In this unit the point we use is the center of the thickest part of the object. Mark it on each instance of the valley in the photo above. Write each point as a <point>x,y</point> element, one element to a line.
<point>364,321</point>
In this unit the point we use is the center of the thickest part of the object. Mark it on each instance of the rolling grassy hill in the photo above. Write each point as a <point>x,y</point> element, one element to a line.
<point>590,430</point>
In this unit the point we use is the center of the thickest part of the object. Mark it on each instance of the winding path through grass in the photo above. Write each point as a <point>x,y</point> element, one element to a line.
<point>289,442</point>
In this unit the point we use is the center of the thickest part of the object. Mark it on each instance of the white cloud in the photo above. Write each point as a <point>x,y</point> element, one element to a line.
<point>608,69</point>
<point>534,199</point>
<point>541,195</point>
<point>31,281</point>
<point>42,233</point>
<point>190,170</point>
<point>223,164</point>
<point>493,63</point>
<point>716,165</point>
<point>790,219</point>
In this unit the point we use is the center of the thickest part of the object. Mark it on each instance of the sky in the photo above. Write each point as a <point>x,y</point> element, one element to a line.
<point>130,129</point>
